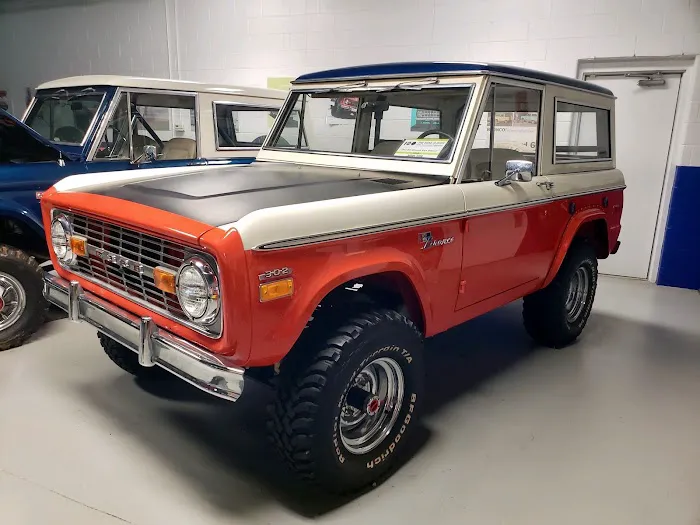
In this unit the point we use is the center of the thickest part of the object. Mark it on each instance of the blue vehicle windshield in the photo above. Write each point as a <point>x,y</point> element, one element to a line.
<point>65,116</point>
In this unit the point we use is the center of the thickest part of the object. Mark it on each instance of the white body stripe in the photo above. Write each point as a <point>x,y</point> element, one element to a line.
<point>356,215</point>
<point>99,181</point>
<point>583,182</point>
<point>313,219</point>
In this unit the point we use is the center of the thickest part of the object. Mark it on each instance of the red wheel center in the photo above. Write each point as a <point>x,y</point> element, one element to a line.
<point>2,303</point>
<point>373,406</point>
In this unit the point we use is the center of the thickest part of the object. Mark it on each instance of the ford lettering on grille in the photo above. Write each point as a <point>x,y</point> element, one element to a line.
<point>123,259</point>
<point>119,260</point>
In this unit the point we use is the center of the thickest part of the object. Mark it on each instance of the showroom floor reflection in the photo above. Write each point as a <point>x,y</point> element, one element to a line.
<point>608,422</point>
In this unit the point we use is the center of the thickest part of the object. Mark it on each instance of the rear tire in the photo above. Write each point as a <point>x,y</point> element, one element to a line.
<point>347,406</point>
<point>556,315</point>
<point>128,360</point>
<point>22,304</point>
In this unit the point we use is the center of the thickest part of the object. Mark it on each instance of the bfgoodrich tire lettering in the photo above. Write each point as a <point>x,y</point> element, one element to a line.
<point>24,274</point>
<point>556,315</point>
<point>305,422</point>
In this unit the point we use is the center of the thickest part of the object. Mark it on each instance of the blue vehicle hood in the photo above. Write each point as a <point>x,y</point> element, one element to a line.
<point>20,143</point>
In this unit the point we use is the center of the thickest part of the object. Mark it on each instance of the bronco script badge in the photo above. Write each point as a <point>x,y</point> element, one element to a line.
<point>427,241</point>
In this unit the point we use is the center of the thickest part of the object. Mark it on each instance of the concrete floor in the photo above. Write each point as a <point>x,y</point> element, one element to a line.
<point>604,432</point>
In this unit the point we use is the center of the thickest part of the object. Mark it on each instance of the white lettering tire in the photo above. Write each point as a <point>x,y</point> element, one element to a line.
<point>373,362</point>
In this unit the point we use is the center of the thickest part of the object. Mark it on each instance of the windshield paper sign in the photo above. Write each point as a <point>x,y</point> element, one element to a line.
<point>421,148</point>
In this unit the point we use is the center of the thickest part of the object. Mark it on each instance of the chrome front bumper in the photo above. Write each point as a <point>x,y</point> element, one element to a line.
<point>154,346</point>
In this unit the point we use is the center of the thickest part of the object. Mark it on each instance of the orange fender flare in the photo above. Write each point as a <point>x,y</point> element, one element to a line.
<point>567,238</point>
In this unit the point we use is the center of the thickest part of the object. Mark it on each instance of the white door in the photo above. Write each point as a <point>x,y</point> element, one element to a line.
<point>644,123</point>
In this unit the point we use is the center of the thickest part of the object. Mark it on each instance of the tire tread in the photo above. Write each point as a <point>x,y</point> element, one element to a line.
<point>542,315</point>
<point>42,307</point>
<point>290,424</point>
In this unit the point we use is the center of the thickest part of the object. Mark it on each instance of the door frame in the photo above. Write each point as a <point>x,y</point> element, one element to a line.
<point>687,69</point>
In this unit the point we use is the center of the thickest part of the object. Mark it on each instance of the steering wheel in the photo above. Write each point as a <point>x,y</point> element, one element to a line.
<point>68,134</point>
<point>281,142</point>
<point>437,132</point>
<point>448,145</point>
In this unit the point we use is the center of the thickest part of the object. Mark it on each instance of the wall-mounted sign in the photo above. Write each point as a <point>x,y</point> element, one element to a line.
<point>284,84</point>
<point>424,119</point>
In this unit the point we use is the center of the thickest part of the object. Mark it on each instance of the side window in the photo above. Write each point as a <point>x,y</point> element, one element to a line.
<point>247,127</point>
<point>241,127</point>
<point>582,133</point>
<point>165,121</point>
<point>508,130</point>
<point>115,142</point>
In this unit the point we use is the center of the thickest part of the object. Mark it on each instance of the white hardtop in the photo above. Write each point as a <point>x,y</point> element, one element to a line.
<point>162,84</point>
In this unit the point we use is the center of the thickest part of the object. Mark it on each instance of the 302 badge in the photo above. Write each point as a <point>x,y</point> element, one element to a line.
<point>274,274</point>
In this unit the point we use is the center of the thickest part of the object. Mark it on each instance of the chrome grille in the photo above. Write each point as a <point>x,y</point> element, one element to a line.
<point>138,247</point>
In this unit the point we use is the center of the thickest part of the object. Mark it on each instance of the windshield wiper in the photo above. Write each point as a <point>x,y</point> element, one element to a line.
<point>411,85</point>
<point>83,93</point>
<point>345,88</point>
<point>56,96</point>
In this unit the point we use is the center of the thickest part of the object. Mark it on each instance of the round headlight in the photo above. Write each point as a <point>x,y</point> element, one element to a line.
<point>60,239</point>
<point>198,291</point>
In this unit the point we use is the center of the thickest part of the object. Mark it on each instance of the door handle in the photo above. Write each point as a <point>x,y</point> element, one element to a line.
<point>548,184</point>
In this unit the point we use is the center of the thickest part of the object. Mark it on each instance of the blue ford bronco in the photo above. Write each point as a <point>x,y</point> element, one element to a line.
<point>95,124</point>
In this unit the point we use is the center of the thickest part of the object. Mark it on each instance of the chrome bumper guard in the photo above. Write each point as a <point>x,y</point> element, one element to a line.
<point>154,346</point>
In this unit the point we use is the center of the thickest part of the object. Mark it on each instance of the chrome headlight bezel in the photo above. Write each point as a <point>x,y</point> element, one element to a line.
<point>64,222</point>
<point>211,283</point>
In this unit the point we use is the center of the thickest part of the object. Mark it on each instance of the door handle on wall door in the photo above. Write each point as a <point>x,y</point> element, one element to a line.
<point>548,184</point>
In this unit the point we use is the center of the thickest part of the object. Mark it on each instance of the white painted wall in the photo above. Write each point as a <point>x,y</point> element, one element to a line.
<point>245,41</point>
<point>126,37</point>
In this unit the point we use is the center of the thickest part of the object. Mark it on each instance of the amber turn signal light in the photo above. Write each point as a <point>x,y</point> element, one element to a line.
<point>78,245</point>
<point>164,279</point>
<point>276,290</point>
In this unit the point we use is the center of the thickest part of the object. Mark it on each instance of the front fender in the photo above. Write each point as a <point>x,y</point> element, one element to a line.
<point>572,228</point>
<point>16,211</point>
<point>278,324</point>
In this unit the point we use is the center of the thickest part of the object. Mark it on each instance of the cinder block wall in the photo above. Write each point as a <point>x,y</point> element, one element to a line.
<point>247,41</point>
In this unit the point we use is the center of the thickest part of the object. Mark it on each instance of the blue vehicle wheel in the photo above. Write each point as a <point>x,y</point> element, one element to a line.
<point>22,304</point>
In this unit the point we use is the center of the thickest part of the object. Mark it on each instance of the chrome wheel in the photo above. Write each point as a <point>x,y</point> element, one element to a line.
<point>13,301</point>
<point>579,288</point>
<point>372,405</point>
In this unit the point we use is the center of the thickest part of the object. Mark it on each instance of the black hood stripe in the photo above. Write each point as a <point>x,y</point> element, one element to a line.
<point>225,195</point>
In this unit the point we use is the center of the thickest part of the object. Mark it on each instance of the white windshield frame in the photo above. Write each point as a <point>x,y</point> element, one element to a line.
<point>369,162</point>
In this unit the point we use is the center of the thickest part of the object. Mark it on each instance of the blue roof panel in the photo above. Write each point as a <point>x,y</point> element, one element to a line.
<point>445,68</point>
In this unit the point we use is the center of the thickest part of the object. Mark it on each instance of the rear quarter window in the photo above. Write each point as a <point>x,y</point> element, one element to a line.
<point>582,133</point>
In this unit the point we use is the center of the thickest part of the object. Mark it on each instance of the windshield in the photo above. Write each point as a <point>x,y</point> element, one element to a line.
<point>17,145</point>
<point>419,123</point>
<point>64,116</point>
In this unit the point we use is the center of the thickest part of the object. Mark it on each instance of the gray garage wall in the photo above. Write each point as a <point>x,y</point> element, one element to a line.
<point>246,41</point>
<point>126,37</point>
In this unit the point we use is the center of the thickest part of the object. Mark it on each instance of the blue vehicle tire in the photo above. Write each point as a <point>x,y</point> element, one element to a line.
<point>22,304</point>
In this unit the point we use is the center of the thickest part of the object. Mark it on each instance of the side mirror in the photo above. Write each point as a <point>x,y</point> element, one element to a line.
<point>150,153</point>
<point>517,171</point>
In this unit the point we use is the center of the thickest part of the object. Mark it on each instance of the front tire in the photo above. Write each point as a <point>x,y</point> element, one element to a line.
<point>347,407</point>
<point>22,304</point>
<point>556,315</point>
<point>128,360</point>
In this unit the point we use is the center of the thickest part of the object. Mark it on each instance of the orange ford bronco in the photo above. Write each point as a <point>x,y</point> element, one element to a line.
<point>451,190</point>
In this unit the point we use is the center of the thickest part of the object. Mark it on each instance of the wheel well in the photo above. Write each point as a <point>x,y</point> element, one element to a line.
<point>20,235</point>
<point>596,233</point>
<point>387,289</point>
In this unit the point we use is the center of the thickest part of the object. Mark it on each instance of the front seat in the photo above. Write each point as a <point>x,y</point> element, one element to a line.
<point>179,149</point>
